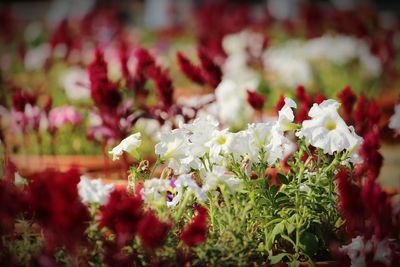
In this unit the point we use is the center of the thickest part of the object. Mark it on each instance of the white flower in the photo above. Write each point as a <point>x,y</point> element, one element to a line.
<point>359,248</point>
<point>200,131</point>
<point>219,176</point>
<point>35,58</point>
<point>154,190</point>
<point>327,130</point>
<point>232,108</point>
<point>186,182</point>
<point>94,190</point>
<point>76,84</point>
<point>19,180</point>
<point>173,146</point>
<point>286,115</point>
<point>304,188</point>
<point>394,122</point>
<point>288,65</point>
<point>129,145</point>
<point>221,142</point>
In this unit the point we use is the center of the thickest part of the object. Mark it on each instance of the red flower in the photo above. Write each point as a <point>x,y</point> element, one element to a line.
<point>348,99</point>
<point>303,96</point>
<point>56,206</point>
<point>195,232</point>
<point>302,113</point>
<point>163,84</point>
<point>21,98</point>
<point>12,203</point>
<point>279,105</point>
<point>61,35</point>
<point>152,231</point>
<point>373,113</point>
<point>122,213</point>
<point>350,204</point>
<point>319,98</point>
<point>255,100</point>
<point>191,71</point>
<point>379,209</point>
<point>212,71</point>
<point>359,114</point>
<point>104,93</point>
<point>369,152</point>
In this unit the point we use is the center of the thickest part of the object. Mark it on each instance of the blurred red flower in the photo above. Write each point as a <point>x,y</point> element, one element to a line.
<point>195,232</point>
<point>122,213</point>
<point>56,206</point>
<point>255,100</point>
<point>152,231</point>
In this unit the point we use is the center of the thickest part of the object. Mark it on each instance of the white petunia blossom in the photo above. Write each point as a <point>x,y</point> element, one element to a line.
<point>129,145</point>
<point>327,130</point>
<point>394,122</point>
<point>173,146</point>
<point>221,142</point>
<point>286,116</point>
<point>94,190</point>
<point>219,176</point>
<point>154,190</point>
<point>186,182</point>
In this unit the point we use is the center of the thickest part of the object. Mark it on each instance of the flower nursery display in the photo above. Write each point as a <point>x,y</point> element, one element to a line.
<point>199,133</point>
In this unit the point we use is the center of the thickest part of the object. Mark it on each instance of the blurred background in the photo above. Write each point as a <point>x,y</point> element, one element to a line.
<point>267,46</point>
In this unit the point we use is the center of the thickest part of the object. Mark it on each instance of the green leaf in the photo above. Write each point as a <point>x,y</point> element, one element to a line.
<point>293,264</point>
<point>309,243</point>
<point>283,178</point>
<point>277,258</point>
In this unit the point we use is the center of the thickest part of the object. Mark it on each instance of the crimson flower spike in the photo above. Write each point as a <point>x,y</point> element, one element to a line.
<point>191,71</point>
<point>255,100</point>
<point>211,70</point>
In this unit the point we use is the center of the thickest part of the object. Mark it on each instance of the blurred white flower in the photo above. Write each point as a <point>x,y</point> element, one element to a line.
<point>76,83</point>
<point>360,247</point>
<point>232,108</point>
<point>288,64</point>
<point>94,190</point>
<point>327,130</point>
<point>35,58</point>
<point>129,145</point>
<point>394,122</point>
<point>154,190</point>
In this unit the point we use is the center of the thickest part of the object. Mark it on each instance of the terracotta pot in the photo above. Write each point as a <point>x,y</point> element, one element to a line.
<point>32,164</point>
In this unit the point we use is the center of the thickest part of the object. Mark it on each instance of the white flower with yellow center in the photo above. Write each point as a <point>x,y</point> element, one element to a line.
<point>221,142</point>
<point>129,145</point>
<point>327,130</point>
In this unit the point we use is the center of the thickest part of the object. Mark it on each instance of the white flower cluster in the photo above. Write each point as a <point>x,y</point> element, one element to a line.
<point>201,150</point>
<point>291,62</point>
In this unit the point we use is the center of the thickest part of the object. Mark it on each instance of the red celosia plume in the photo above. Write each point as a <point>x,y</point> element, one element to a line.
<point>195,232</point>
